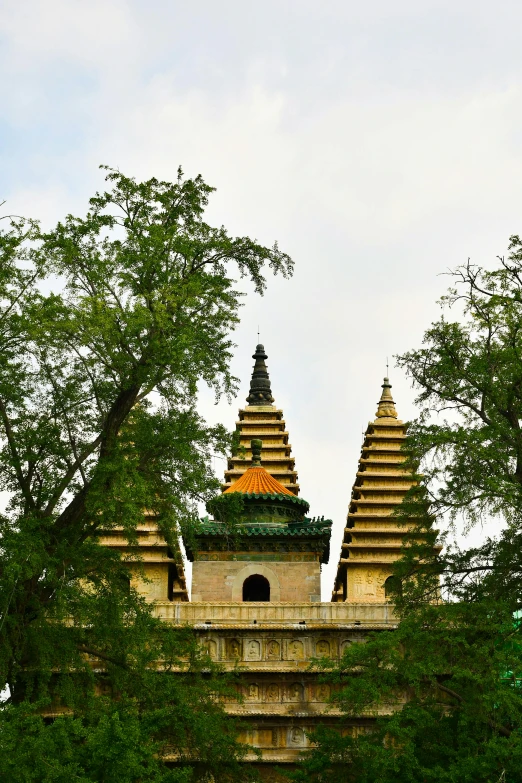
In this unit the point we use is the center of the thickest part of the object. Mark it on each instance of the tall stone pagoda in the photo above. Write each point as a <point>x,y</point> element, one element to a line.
<point>256,602</point>
<point>262,419</point>
<point>373,535</point>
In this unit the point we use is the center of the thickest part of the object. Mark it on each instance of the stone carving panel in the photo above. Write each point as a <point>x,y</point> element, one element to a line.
<point>322,692</point>
<point>253,691</point>
<point>295,650</point>
<point>253,650</point>
<point>272,692</point>
<point>364,584</point>
<point>234,648</point>
<point>297,737</point>
<point>322,647</point>
<point>273,650</point>
<point>156,585</point>
<point>295,692</point>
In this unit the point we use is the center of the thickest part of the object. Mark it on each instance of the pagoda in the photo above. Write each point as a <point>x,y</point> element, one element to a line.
<point>373,535</point>
<point>261,419</point>
<point>274,553</point>
<point>255,605</point>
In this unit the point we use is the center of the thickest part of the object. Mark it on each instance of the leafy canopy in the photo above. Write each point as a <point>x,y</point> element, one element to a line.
<point>440,698</point>
<point>107,324</point>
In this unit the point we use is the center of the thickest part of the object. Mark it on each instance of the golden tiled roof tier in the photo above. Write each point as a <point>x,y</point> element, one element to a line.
<point>266,423</point>
<point>257,481</point>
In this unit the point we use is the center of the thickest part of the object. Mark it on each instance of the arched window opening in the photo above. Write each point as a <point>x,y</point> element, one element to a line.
<point>256,588</point>
<point>392,587</point>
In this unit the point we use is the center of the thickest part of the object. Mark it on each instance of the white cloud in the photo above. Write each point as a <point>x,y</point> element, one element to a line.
<point>379,145</point>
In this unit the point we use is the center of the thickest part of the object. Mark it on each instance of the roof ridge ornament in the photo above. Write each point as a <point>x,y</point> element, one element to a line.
<point>386,405</point>
<point>256,445</point>
<point>260,392</point>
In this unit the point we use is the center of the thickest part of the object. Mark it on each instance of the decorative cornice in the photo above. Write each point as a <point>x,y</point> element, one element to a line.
<point>266,531</point>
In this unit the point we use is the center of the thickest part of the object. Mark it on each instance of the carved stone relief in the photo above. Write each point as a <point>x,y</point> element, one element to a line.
<point>156,585</point>
<point>234,649</point>
<point>322,647</point>
<point>273,650</point>
<point>322,692</point>
<point>296,650</point>
<point>296,692</point>
<point>296,736</point>
<point>272,692</point>
<point>364,584</point>
<point>253,650</point>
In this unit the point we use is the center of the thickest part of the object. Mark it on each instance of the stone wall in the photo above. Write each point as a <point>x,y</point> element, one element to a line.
<point>222,580</point>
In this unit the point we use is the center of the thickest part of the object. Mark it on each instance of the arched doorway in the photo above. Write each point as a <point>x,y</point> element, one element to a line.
<point>256,588</point>
<point>392,587</point>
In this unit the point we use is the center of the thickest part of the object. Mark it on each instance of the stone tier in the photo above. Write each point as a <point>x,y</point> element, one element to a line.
<point>266,423</point>
<point>280,697</point>
<point>160,574</point>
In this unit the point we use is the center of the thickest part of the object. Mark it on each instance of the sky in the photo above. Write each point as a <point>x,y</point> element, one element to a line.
<point>379,143</point>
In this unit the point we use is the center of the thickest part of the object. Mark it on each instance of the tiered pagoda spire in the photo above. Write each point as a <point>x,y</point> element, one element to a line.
<point>373,536</point>
<point>262,419</point>
<point>260,392</point>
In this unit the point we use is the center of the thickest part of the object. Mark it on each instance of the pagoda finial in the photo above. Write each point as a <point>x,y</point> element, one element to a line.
<point>256,445</point>
<point>260,393</point>
<point>386,405</point>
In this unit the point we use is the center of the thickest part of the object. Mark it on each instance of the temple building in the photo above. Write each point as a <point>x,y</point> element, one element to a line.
<point>373,536</point>
<point>256,597</point>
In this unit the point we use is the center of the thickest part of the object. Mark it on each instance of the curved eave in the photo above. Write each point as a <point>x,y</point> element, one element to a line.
<point>315,531</point>
<point>285,497</point>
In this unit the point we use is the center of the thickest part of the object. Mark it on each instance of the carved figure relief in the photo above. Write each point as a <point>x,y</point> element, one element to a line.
<point>154,586</point>
<point>322,692</point>
<point>370,583</point>
<point>364,584</point>
<point>272,692</point>
<point>358,585</point>
<point>273,651</point>
<point>296,650</point>
<point>253,691</point>
<point>253,652</point>
<point>297,736</point>
<point>322,647</point>
<point>234,649</point>
<point>296,692</point>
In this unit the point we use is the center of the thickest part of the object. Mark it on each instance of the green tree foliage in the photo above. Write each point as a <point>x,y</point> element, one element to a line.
<point>442,694</point>
<point>107,325</point>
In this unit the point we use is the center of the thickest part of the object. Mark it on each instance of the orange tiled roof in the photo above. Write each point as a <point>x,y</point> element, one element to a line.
<point>257,481</point>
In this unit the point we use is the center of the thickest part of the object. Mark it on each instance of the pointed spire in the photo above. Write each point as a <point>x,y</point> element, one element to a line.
<point>386,405</point>
<point>260,392</point>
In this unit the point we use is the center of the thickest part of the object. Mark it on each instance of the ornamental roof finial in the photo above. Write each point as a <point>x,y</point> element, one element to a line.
<point>386,405</point>
<point>256,445</point>
<point>260,392</point>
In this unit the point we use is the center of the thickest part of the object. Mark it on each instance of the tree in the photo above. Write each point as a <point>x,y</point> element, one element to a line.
<point>450,676</point>
<point>107,324</point>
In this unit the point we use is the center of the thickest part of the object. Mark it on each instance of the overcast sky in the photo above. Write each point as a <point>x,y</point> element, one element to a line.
<point>380,143</point>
